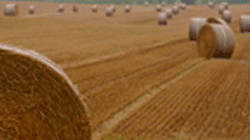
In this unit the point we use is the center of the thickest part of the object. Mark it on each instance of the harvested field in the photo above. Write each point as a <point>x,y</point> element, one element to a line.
<point>141,80</point>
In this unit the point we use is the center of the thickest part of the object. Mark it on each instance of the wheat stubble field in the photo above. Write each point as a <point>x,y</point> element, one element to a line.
<point>142,81</point>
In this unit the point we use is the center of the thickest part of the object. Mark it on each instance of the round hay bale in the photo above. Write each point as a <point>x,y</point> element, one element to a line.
<point>158,8</point>
<point>146,4</point>
<point>162,18</point>
<point>211,5</point>
<point>221,9</point>
<point>61,8</point>
<point>226,15</point>
<point>216,21</point>
<point>163,4</point>
<point>31,9</point>
<point>175,10</point>
<point>109,12</point>
<point>94,8</point>
<point>225,4</point>
<point>127,8</point>
<point>183,6</point>
<point>169,13</point>
<point>38,101</point>
<point>11,10</point>
<point>113,7</point>
<point>245,23</point>
<point>195,26</point>
<point>75,8</point>
<point>215,40</point>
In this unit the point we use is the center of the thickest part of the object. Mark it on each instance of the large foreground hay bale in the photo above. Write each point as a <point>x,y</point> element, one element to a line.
<point>127,8</point>
<point>61,8</point>
<point>226,15</point>
<point>75,8</point>
<point>169,13</point>
<point>211,5</point>
<point>38,101</point>
<point>109,12</point>
<point>94,8</point>
<point>215,40</point>
<point>11,10</point>
<point>31,9</point>
<point>245,23</point>
<point>195,26</point>
<point>158,8</point>
<point>175,10</point>
<point>162,18</point>
<point>221,9</point>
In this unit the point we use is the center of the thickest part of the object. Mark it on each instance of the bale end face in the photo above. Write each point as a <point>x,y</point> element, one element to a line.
<point>38,100</point>
<point>175,10</point>
<point>31,9</point>
<point>245,23</point>
<point>226,15</point>
<point>195,25</point>
<point>162,19</point>
<point>11,10</point>
<point>109,12</point>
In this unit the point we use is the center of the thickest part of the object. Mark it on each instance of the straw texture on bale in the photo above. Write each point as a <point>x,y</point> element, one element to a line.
<point>61,8</point>
<point>169,13</point>
<point>215,40</point>
<point>175,10</point>
<point>211,5</point>
<point>109,12</point>
<point>163,4</point>
<point>216,21</point>
<point>221,9</point>
<point>158,8</point>
<point>94,8</point>
<point>245,23</point>
<point>11,10</point>
<point>162,18</point>
<point>31,9</point>
<point>127,8</point>
<point>38,101</point>
<point>75,8</point>
<point>226,15</point>
<point>195,26</point>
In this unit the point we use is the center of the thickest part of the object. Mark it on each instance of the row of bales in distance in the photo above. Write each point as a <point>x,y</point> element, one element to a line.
<point>213,36</point>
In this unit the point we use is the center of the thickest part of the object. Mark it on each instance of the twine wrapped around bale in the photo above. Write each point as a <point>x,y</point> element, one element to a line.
<point>245,23</point>
<point>61,8</point>
<point>162,18</point>
<point>163,4</point>
<point>158,8</point>
<point>226,15</point>
<point>169,13</point>
<point>221,9</point>
<point>75,8</point>
<point>31,9</point>
<point>195,26</point>
<point>215,40</point>
<point>216,21</point>
<point>211,5</point>
<point>38,101</point>
<point>109,12</point>
<point>175,10</point>
<point>94,8</point>
<point>11,10</point>
<point>127,8</point>
<point>146,4</point>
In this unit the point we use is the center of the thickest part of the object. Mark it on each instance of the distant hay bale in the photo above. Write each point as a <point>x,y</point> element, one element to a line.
<point>183,6</point>
<point>162,18</point>
<point>113,7</point>
<point>94,8</point>
<point>127,8</point>
<point>163,4</point>
<point>75,8</point>
<point>215,40</point>
<point>221,9</point>
<point>226,15</point>
<point>109,12</point>
<point>11,10</point>
<point>195,26</point>
<point>38,101</point>
<point>146,4</point>
<point>31,9</point>
<point>158,8</point>
<point>216,21</point>
<point>225,4</point>
<point>61,8</point>
<point>211,5</point>
<point>175,10</point>
<point>245,23</point>
<point>169,13</point>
